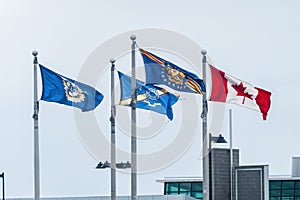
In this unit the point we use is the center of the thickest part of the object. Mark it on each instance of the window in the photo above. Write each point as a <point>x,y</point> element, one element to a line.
<point>197,187</point>
<point>172,188</point>
<point>193,189</point>
<point>297,192</point>
<point>284,190</point>
<point>275,198</point>
<point>288,184</point>
<point>297,184</point>
<point>197,195</point>
<point>287,193</point>
<point>275,193</point>
<point>185,187</point>
<point>275,185</point>
<point>287,198</point>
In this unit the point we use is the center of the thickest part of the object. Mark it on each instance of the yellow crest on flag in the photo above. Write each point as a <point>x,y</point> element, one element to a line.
<point>73,92</point>
<point>174,75</point>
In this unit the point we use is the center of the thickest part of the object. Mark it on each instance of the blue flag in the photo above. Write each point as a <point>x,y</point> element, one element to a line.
<point>160,71</point>
<point>63,90</point>
<point>149,97</point>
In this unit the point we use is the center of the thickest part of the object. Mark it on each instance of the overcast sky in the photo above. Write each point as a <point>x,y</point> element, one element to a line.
<point>256,41</point>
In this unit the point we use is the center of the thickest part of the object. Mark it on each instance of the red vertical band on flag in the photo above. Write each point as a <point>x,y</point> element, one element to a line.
<point>263,100</point>
<point>219,89</point>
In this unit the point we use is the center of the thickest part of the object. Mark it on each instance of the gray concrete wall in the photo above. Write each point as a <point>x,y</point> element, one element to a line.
<point>252,182</point>
<point>221,172</point>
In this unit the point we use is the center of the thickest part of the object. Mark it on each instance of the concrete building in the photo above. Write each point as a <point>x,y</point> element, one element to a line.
<point>248,182</point>
<point>143,197</point>
<point>280,188</point>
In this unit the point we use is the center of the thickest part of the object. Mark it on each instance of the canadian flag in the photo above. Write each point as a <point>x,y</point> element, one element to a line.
<point>228,89</point>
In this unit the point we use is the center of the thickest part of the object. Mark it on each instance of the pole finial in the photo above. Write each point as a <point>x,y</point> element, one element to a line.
<point>133,37</point>
<point>35,52</point>
<point>204,52</point>
<point>112,60</point>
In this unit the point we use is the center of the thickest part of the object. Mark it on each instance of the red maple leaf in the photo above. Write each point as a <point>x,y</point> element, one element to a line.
<point>241,91</point>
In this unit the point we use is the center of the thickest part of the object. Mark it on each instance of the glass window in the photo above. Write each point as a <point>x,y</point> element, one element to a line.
<point>297,184</point>
<point>275,198</point>
<point>288,184</point>
<point>297,198</point>
<point>172,193</point>
<point>197,186</point>
<point>184,187</point>
<point>172,188</point>
<point>287,193</point>
<point>287,198</point>
<point>197,195</point>
<point>186,193</point>
<point>297,192</point>
<point>275,184</point>
<point>275,193</point>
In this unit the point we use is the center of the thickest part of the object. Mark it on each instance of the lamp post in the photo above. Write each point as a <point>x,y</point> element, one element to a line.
<point>218,139</point>
<point>107,164</point>
<point>3,193</point>
<point>120,165</point>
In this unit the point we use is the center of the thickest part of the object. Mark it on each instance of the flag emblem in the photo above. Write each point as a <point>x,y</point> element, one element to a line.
<point>240,89</point>
<point>73,92</point>
<point>152,94</point>
<point>174,75</point>
<point>179,80</point>
<point>160,71</point>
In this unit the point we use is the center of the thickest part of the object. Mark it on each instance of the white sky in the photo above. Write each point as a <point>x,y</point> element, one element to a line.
<point>255,41</point>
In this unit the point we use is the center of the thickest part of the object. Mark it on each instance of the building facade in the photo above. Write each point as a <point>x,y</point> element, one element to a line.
<point>287,188</point>
<point>284,188</point>
<point>140,197</point>
<point>247,182</point>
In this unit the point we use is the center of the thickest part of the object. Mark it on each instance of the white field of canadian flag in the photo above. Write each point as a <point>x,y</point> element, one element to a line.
<point>228,89</point>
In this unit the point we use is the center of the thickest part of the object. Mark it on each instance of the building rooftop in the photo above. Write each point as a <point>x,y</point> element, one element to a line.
<point>283,177</point>
<point>179,179</point>
<point>199,179</point>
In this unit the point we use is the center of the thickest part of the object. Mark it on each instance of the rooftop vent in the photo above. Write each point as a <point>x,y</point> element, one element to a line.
<point>296,167</point>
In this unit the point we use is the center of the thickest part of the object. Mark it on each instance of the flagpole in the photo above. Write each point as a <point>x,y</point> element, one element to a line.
<point>36,129</point>
<point>133,123</point>
<point>3,188</point>
<point>113,131</point>
<point>231,153</point>
<point>206,189</point>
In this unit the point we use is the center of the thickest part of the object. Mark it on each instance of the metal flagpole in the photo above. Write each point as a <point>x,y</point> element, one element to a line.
<point>231,153</point>
<point>206,189</point>
<point>133,123</point>
<point>113,131</point>
<point>210,165</point>
<point>36,130</point>
<point>3,188</point>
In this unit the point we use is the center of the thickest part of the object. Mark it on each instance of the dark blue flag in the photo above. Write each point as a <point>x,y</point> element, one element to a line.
<point>63,90</point>
<point>160,71</point>
<point>149,97</point>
